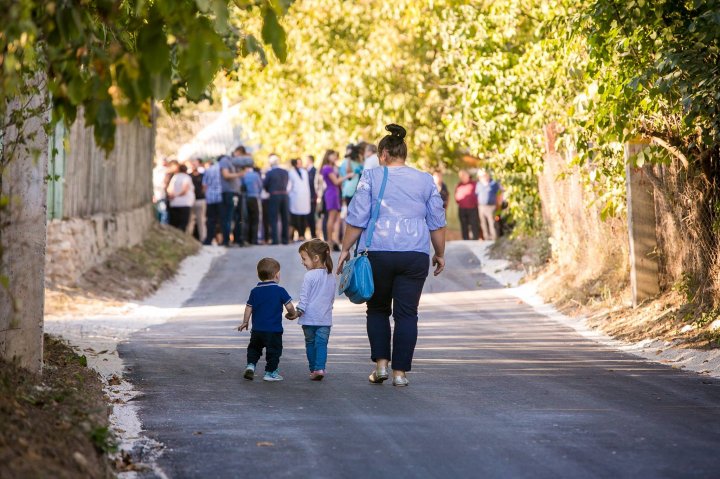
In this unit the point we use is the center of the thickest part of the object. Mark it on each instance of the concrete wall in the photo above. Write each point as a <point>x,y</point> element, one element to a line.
<point>641,228</point>
<point>77,244</point>
<point>22,238</point>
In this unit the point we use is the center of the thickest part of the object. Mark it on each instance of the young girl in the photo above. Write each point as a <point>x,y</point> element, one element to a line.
<point>314,310</point>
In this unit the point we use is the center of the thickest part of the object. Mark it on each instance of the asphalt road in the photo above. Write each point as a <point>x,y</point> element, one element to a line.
<point>496,391</point>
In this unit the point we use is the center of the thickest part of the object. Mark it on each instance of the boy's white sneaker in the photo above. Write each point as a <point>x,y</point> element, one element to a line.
<point>273,376</point>
<point>249,372</point>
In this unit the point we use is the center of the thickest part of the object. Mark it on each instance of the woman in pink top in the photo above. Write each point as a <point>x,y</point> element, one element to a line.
<point>467,206</point>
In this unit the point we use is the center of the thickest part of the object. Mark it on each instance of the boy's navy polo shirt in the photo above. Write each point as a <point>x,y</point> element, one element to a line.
<point>267,300</point>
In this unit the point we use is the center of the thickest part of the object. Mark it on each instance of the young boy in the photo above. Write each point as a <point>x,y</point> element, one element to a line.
<point>265,305</point>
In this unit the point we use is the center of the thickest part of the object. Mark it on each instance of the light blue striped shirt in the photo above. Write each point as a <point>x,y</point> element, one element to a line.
<point>211,180</point>
<point>411,208</point>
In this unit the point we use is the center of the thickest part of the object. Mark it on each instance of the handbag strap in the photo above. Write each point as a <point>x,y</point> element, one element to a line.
<point>374,215</point>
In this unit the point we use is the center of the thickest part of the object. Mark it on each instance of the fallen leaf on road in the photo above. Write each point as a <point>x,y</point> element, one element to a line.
<point>265,444</point>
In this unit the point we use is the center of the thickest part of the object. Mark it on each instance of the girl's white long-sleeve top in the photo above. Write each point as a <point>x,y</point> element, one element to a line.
<point>317,296</point>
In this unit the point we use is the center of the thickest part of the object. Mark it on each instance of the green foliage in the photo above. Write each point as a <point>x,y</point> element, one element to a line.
<point>652,72</point>
<point>453,73</point>
<point>686,286</point>
<point>486,78</point>
<point>103,439</point>
<point>115,57</point>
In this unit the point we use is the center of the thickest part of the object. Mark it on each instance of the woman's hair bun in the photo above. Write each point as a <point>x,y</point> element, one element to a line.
<point>396,130</point>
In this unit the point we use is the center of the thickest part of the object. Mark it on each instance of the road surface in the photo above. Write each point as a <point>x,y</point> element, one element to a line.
<point>496,391</point>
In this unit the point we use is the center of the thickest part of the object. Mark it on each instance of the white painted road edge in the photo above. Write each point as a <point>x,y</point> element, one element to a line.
<point>664,352</point>
<point>97,338</point>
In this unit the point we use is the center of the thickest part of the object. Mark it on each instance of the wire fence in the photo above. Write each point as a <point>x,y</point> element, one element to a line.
<point>687,211</point>
<point>590,252</point>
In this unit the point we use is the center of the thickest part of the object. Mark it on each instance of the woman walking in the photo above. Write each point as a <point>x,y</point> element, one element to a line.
<point>181,194</point>
<point>332,195</point>
<point>411,217</point>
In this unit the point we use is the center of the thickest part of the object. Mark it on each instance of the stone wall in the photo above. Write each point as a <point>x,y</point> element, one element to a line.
<point>76,245</point>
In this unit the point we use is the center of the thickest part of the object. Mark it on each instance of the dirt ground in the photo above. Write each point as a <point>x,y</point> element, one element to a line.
<point>54,424</point>
<point>605,299</point>
<point>668,317</point>
<point>130,274</point>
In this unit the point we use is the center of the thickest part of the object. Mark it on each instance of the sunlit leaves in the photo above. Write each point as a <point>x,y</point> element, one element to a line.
<point>115,57</point>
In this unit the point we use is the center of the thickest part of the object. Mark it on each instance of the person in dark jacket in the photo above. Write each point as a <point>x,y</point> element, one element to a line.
<point>312,174</point>
<point>276,184</point>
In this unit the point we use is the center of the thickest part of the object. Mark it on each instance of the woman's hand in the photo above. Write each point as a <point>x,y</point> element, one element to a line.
<point>344,255</point>
<point>439,263</point>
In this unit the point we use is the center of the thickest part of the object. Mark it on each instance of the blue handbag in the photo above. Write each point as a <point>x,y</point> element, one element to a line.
<point>356,279</point>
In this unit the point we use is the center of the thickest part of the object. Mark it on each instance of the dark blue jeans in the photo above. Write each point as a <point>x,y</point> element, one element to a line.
<point>399,277</point>
<point>213,217</point>
<point>279,209</point>
<point>271,342</point>
<point>239,217</point>
<point>227,208</point>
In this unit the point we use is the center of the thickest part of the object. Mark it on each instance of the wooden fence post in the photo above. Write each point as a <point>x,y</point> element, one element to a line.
<point>641,229</point>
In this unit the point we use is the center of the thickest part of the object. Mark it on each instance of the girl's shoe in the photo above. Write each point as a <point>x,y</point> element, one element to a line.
<point>400,381</point>
<point>317,375</point>
<point>273,376</point>
<point>378,376</point>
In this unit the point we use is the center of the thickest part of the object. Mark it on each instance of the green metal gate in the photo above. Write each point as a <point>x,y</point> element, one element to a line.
<point>57,148</point>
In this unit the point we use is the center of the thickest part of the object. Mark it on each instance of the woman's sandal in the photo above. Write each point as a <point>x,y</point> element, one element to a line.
<point>378,375</point>
<point>400,381</point>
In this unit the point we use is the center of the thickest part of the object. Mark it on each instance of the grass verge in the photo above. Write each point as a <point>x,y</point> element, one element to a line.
<point>54,424</point>
<point>599,291</point>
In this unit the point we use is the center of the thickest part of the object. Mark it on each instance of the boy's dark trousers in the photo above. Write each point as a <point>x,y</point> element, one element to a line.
<point>272,342</point>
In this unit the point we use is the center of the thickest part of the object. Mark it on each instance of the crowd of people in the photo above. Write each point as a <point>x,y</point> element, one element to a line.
<point>231,201</point>
<point>479,205</point>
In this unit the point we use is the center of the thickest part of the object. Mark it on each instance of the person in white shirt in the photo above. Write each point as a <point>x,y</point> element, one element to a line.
<point>299,197</point>
<point>181,195</point>
<point>371,158</point>
<point>317,296</point>
<point>159,179</point>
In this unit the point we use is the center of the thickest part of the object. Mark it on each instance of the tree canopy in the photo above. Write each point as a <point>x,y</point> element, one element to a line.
<point>486,78</point>
<point>115,57</point>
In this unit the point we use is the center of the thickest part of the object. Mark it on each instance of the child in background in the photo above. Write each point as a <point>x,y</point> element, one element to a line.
<point>265,306</point>
<point>317,296</point>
